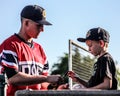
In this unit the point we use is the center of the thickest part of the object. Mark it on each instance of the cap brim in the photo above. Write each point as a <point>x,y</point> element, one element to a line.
<point>44,22</point>
<point>81,39</point>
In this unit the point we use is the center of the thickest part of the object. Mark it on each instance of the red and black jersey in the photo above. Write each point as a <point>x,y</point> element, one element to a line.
<point>24,57</point>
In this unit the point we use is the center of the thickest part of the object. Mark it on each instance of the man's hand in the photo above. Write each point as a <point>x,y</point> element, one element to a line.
<point>55,81</point>
<point>54,78</point>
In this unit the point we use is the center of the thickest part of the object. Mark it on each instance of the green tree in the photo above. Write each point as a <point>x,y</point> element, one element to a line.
<point>61,67</point>
<point>118,78</point>
<point>118,74</point>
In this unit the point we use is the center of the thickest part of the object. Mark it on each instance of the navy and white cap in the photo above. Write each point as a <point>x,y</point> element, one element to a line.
<point>35,13</point>
<point>96,34</point>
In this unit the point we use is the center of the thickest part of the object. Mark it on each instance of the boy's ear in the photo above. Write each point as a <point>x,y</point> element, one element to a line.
<point>26,22</point>
<point>102,43</point>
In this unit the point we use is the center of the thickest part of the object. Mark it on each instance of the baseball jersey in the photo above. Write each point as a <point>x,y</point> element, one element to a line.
<point>24,57</point>
<point>104,66</point>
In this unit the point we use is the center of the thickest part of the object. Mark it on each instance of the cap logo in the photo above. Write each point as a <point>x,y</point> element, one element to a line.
<point>88,34</point>
<point>99,30</point>
<point>44,14</point>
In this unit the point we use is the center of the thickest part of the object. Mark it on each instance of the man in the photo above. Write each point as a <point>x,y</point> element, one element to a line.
<point>23,60</point>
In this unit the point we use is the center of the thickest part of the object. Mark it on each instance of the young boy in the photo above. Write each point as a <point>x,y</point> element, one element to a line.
<point>104,74</point>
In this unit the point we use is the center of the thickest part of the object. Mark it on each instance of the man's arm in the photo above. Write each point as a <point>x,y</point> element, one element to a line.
<point>26,79</point>
<point>20,78</point>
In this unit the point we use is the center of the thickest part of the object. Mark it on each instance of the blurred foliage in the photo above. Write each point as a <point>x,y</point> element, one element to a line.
<point>61,67</point>
<point>118,77</point>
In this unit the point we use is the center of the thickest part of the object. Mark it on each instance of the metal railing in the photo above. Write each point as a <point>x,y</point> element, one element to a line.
<point>68,93</point>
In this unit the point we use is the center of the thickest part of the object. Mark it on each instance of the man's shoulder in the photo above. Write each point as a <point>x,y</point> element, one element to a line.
<point>37,45</point>
<point>11,38</point>
<point>8,40</point>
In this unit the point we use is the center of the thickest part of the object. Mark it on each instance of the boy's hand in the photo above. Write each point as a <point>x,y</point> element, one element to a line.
<point>73,75</point>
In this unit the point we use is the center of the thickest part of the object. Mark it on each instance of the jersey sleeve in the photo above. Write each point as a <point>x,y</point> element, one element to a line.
<point>8,58</point>
<point>105,68</point>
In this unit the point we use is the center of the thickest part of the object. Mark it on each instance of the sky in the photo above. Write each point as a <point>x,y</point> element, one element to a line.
<point>70,18</point>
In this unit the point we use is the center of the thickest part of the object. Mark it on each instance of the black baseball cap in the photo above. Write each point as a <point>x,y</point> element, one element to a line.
<point>35,13</point>
<point>96,34</point>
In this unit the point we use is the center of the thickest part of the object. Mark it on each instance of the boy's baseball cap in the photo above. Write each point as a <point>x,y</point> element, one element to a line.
<point>35,13</point>
<point>96,34</point>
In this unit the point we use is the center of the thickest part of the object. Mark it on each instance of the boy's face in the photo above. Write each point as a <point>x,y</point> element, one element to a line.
<point>94,47</point>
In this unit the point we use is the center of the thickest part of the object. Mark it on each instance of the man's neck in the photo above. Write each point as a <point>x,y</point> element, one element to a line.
<point>25,37</point>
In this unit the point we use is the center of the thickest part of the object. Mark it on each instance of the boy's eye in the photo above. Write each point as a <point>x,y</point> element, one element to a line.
<point>39,25</point>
